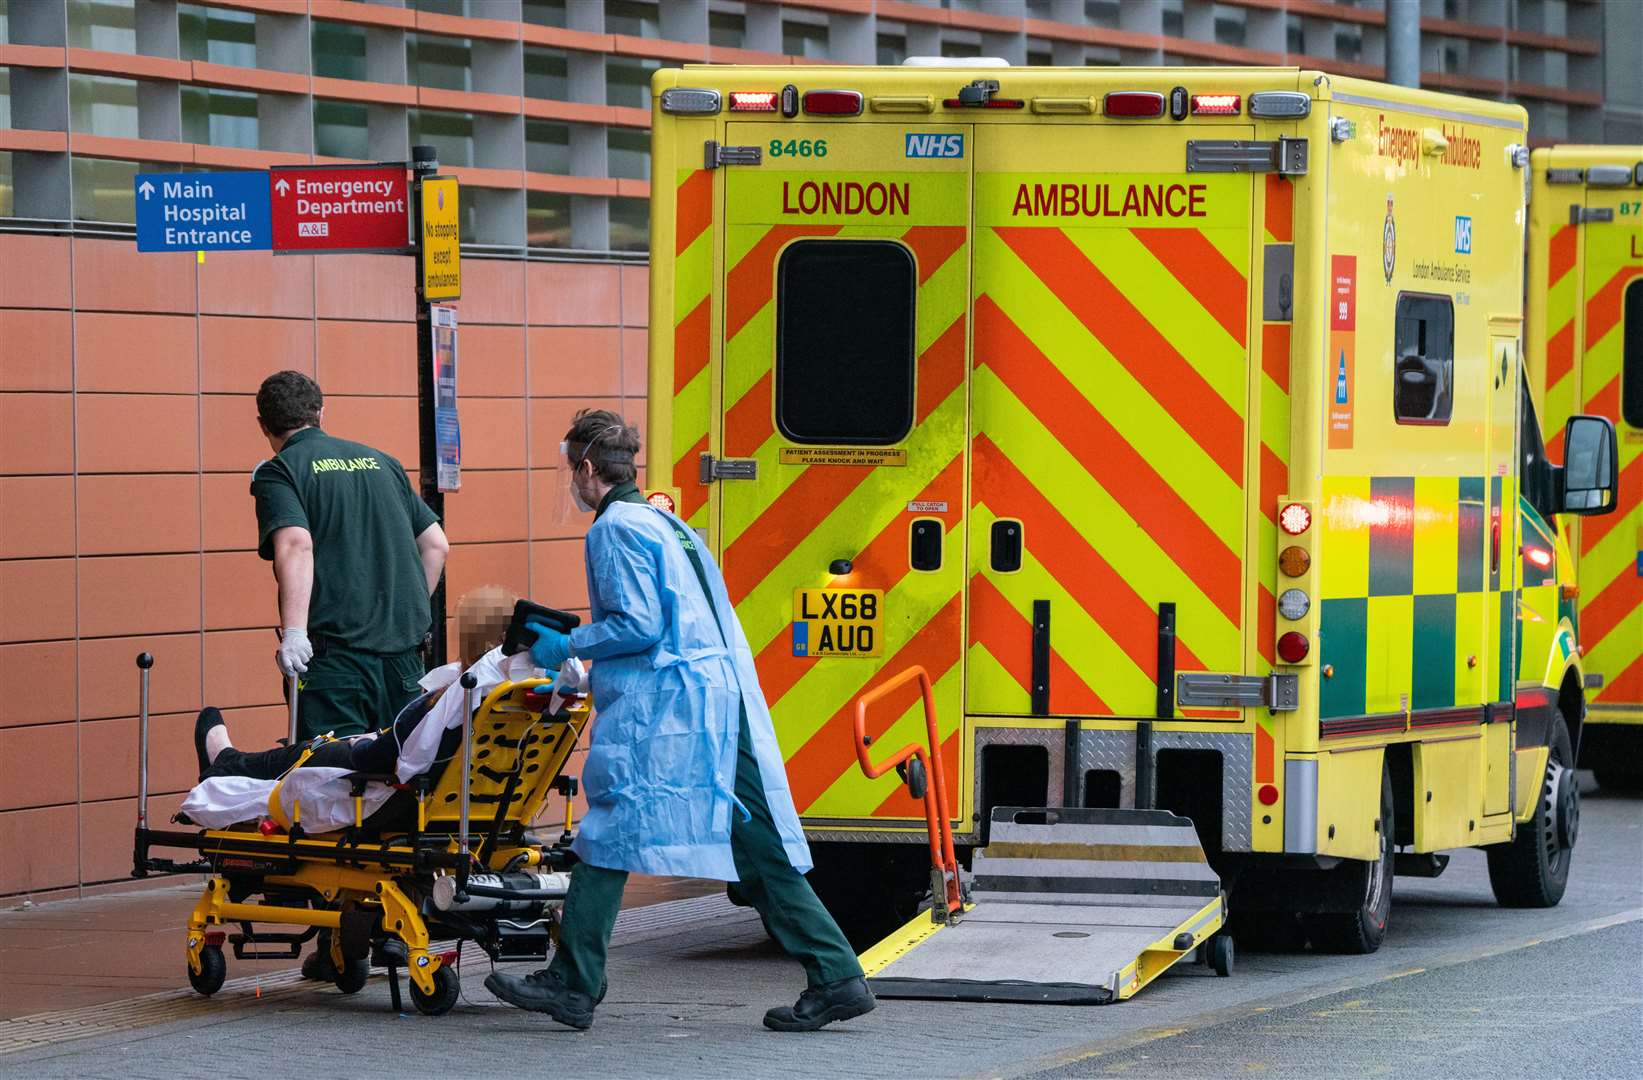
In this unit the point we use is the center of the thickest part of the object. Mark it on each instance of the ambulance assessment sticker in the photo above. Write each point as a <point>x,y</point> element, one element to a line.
<point>838,622</point>
<point>842,455</point>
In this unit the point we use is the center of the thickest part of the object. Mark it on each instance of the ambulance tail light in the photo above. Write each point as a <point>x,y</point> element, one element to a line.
<point>1293,647</point>
<point>1133,104</point>
<point>1217,104</point>
<point>753,100</point>
<point>832,103</point>
<point>1295,519</point>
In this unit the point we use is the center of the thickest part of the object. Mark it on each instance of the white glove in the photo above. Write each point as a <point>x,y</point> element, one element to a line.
<point>572,677</point>
<point>295,651</point>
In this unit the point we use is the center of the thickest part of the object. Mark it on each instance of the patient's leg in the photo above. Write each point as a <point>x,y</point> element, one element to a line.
<point>220,757</point>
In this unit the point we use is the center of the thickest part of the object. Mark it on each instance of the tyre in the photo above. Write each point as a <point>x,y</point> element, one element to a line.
<point>353,975</point>
<point>213,970</point>
<point>1361,931</point>
<point>1221,954</point>
<point>447,988</point>
<point>1532,869</point>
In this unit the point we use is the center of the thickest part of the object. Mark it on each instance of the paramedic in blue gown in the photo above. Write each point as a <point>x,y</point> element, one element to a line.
<point>683,775</point>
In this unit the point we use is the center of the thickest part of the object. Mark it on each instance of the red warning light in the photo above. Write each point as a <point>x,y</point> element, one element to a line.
<point>832,102</point>
<point>1295,519</point>
<point>1216,104</point>
<point>1134,104</point>
<point>753,100</point>
<point>661,500</point>
<point>1293,647</point>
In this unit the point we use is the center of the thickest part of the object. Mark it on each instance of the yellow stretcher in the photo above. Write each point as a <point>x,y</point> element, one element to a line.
<point>1064,905</point>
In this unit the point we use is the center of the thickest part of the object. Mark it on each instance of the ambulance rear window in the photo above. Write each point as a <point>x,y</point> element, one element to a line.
<point>1423,360</point>
<point>1631,381</point>
<point>844,341</point>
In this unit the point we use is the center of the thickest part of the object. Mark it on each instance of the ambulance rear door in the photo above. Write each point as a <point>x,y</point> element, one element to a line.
<point>841,479</point>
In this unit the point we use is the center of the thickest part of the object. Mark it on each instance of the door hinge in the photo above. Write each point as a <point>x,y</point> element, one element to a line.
<point>1286,157</point>
<point>1581,215</point>
<point>713,468</point>
<point>1280,693</point>
<point>714,154</point>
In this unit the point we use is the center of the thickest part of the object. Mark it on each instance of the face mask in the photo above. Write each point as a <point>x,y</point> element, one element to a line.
<point>576,497</point>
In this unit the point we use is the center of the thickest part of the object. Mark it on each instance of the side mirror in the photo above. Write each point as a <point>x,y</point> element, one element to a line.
<point>1591,463</point>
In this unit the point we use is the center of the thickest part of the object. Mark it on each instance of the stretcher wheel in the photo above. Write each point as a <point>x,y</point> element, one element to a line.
<point>353,975</point>
<point>213,970</point>
<point>1221,954</point>
<point>447,988</point>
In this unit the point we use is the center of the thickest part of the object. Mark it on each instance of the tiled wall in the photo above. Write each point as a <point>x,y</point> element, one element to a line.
<point>127,438</point>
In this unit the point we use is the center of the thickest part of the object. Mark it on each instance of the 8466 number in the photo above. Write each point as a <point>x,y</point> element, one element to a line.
<point>798,148</point>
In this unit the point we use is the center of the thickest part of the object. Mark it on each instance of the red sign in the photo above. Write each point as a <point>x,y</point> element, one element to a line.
<point>340,208</point>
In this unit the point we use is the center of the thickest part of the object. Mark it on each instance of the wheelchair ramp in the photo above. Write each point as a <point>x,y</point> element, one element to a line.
<point>1068,906</point>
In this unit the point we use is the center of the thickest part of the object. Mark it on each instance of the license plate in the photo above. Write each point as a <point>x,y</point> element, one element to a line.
<point>838,622</point>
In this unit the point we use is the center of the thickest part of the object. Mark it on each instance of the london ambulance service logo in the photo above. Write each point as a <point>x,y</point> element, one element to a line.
<point>1389,243</point>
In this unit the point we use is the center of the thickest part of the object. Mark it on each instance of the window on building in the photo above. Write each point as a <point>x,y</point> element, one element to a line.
<point>638,18</point>
<point>441,7</point>
<point>727,29</point>
<point>339,50</point>
<point>1102,13</point>
<point>217,35</point>
<point>7,206</point>
<point>450,133</point>
<point>219,117</point>
<point>1039,56</point>
<point>627,80</point>
<point>1631,388</point>
<point>892,48</point>
<point>102,105</point>
<point>1174,19</point>
<point>101,187</point>
<point>547,147</point>
<point>547,219</point>
<point>949,47</point>
<point>629,153</point>
<point>629,225</point>
<point>808,40</point>
<point>845,341</point>
<point>1231,25</point>
<point>1348,41</point>
<point>342,129</point>
<point>1295,35</point>
<point>547,73</point>
<point>442,62</point>
<point>5,96</point>
<point>545,12</point>
<point>1041,9</point>
<point>1423,361</point>
<point>102,24</point>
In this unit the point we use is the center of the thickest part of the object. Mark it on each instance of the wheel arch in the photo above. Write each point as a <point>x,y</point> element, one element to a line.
<point>1571,702</point>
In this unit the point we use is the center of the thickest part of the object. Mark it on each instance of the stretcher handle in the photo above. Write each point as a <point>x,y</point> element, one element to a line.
<point>292,684</point>
<point>468,683</point>
<point>145,662</point>
<point>943,858</point>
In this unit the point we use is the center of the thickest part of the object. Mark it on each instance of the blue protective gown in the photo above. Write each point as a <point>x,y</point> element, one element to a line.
<point>668,694</point>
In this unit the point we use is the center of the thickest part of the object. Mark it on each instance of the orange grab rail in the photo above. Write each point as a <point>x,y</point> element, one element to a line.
<point>943,859</point>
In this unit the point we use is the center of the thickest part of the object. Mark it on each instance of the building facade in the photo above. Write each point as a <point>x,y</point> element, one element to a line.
<point>127,425</point>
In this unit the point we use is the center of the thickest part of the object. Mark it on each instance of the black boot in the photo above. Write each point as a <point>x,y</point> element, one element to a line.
<point>823,1005</point>
<point>209,718</point>
<point>541,991</point>
<point>317,965</point>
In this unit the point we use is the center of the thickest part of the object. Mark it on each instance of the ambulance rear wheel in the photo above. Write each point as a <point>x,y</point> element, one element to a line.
<point>447,988</point>
<point>1361,931</point>
<point>1532,869</point>
<point>213,970</point>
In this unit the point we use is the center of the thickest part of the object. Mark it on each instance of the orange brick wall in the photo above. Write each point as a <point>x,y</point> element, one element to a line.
<point>127,438</point>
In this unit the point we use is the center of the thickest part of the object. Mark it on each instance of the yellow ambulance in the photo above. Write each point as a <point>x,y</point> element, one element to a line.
<point>1173,420</point>
<point>1585,352</point>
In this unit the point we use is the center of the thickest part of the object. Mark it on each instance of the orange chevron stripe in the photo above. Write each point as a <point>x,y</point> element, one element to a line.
<point>1611,606</point>
<point>933,245</point>
<point>941,369</point>
<point>1627,687</point>
<point>1108,457</point>
<point>1560,353</point>
<point>1275,353</point>
<point>1603,309</point>
<point>694,211</point>
<point>795,512</point>
<point>1605,401</point>
<point>749,282</point>
<point>1136,344</point>
<point>1100,590</point>
<point>687,477</point>
<point>830,750</point>
<point>749,422</point>
<point>882,563</point>
<point>1265,751</point>
<point>1266,624</point>
<point>1006,634</point>
<point>1274,482</point>
<point>1204,272</point>
<point>1280,215</point>
<point>901,802</point>
<point>692,344</point>
<point>1627,491</point>
<point>1560,255</point>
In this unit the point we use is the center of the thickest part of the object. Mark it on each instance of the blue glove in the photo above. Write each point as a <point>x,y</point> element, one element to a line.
<point>552,648</point>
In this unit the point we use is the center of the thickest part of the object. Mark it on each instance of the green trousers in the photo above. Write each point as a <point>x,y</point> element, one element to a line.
<point>780,893</point>
<point>347,692</point>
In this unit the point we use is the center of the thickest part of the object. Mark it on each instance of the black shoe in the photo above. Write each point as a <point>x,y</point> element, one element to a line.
<point>317,965</point>
<point>541,991</point>
<point>208,719</point>
<point>823,1005</point>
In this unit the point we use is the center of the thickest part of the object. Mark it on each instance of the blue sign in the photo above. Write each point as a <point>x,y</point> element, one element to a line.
<point>922,144</point>
<point>225,211</point>
<point>1463,235</point>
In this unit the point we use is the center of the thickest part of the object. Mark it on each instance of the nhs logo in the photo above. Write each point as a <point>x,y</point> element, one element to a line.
<point>928,144</point>
<point>1463,235</point>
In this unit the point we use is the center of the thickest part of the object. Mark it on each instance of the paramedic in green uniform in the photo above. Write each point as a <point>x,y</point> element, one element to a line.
<point>356,554</point>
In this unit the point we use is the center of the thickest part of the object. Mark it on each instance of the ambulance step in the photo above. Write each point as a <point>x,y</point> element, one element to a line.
<point>1427,864</point>
<point>1067,906</point>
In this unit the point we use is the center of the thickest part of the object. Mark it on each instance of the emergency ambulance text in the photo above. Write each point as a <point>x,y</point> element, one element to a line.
<point>1103,200</point>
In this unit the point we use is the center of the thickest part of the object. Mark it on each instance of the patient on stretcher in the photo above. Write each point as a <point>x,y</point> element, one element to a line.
<point>236,785</point>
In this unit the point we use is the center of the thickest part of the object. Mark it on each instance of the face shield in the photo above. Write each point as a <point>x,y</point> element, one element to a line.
<point>571,501</point>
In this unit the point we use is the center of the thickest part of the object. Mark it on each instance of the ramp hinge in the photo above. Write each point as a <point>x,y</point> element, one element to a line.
<point>1286,157</point>
<point>1581,215</point>
<point>713,468</point>
<point>714,154</point>
<point>1280,693</point>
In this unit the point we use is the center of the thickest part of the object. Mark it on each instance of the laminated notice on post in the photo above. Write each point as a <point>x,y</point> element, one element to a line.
<point>440,238</point>
<point>842,455</point>
<point>447,429</point>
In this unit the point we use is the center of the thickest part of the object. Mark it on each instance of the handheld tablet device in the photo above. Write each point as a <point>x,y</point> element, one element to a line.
<point>519,639</point>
